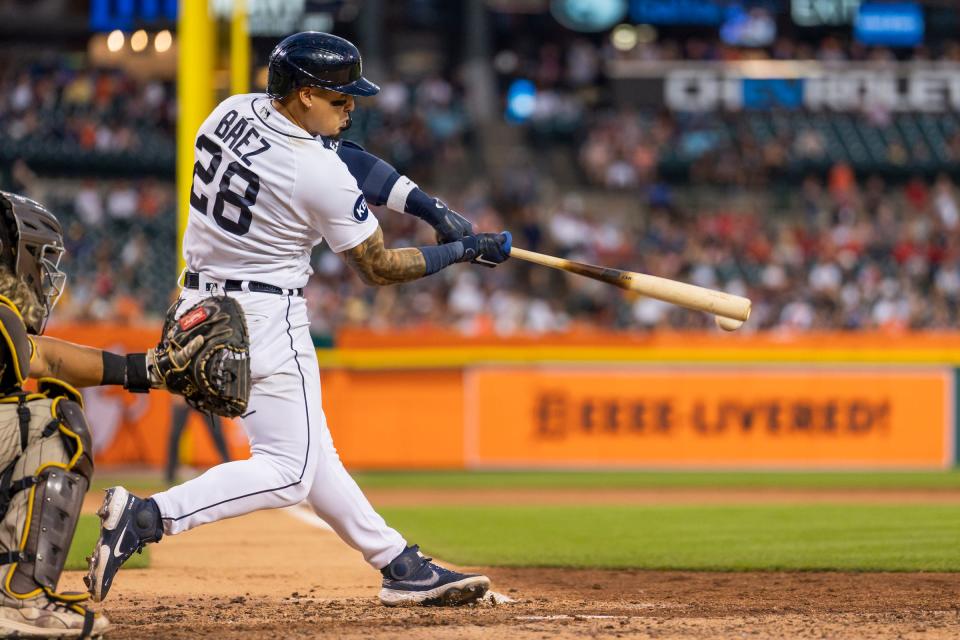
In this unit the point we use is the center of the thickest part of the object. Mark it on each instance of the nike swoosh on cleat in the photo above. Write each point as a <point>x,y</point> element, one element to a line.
<point>425,582</point>
<point>120,540</point>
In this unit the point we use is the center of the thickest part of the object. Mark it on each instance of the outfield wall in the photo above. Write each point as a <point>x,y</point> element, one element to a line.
<point>594,401</point>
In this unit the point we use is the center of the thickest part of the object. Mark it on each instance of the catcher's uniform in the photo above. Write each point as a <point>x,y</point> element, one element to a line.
<point>46,463</point>
<point>264,194</point>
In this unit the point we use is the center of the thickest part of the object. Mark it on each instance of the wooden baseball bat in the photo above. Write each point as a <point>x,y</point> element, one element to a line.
<point>686,295</point>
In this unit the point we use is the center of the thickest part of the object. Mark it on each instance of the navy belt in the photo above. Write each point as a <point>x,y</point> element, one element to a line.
<point>192,281</point>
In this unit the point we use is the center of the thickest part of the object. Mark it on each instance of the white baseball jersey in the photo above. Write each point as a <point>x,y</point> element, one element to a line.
<point>264,194</point>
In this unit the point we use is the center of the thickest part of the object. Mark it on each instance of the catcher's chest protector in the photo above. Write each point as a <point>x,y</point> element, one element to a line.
<point>46,463</point>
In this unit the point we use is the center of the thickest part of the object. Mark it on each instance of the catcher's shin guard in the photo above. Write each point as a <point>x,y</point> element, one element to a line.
<point>46,461</point>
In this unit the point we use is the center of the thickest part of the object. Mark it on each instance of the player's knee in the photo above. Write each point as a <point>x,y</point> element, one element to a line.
<point>296,484</point>
<point>298,492</point>
<point>292,474</point>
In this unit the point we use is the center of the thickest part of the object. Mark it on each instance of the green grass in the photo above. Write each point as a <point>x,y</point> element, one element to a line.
<point>855,537</point>
<point>84,540</point>
<point>753,537</point>
<point>655,479</point>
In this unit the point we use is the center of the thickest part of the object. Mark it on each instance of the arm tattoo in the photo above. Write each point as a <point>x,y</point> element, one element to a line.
<point>377,265</point>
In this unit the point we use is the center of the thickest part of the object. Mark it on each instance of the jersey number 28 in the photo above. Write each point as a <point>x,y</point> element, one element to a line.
<point>242,201</point>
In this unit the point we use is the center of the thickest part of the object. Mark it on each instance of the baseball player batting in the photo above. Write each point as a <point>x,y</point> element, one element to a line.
<point>268,186</point>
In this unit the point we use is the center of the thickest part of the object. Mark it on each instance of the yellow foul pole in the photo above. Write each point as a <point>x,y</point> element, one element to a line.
<point>196,47</point>
<point>239,49</point>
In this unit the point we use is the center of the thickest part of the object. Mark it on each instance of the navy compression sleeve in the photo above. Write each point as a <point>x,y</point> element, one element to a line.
<point>375,176</point>
<point>441,256</point>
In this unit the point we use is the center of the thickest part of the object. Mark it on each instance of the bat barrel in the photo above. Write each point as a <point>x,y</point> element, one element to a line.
<point>679,293</point>
<point>691,296</point>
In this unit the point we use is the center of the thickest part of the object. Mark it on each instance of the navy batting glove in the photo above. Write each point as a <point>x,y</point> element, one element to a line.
<point>487,249</point>
<point>451,226</point>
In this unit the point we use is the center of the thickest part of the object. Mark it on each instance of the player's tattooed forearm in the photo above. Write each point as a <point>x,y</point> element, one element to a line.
<point>377,265</point>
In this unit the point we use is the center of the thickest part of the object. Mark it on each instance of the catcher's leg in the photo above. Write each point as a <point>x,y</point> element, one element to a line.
<point>41,492</point>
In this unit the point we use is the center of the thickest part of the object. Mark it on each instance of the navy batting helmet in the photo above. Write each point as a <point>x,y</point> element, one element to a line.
<point>316,59</point>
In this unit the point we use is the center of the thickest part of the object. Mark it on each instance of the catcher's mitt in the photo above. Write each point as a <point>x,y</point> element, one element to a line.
<point>204,355</point>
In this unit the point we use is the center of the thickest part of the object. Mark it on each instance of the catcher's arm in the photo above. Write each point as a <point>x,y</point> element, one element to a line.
<point>377,265</point>
<point>75,364</point>
<point>83,366</point>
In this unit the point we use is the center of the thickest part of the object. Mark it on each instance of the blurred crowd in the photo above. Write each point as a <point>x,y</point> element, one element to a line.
<point>839,253</point>
<point>420,126</point>
<point>120,238</point>
<point>629,148</point>
<point>59,103</point>
<point>832,250</point>
<point>56,107</point>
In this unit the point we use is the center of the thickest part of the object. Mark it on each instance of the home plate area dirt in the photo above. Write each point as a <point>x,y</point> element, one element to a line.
<point>273,575</point>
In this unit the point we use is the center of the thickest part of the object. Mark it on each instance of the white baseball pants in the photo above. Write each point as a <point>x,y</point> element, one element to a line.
<point>292,454</point>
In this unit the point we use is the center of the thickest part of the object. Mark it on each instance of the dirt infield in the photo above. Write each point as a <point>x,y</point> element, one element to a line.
<point>274,575</point>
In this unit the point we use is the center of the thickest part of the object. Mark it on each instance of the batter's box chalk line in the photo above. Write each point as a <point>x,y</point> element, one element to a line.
<point>579,616</point>
<point>494,599</point>
<point>305,514</point>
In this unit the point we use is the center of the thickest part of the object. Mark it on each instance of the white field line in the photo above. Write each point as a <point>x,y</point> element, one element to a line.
<point>305,514</point>
<point>578,616</point>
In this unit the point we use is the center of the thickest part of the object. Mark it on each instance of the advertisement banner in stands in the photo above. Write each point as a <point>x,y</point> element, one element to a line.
<point>779,84</point>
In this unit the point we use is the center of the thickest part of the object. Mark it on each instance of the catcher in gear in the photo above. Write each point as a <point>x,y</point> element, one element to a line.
<point>46,461</point>
<point>46,458</point>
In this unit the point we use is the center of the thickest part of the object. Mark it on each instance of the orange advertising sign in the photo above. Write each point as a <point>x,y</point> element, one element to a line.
<point>720,417</point>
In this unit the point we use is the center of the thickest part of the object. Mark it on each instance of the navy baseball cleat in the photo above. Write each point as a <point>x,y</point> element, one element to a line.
<point>412,578</point>
<point>127,523</point>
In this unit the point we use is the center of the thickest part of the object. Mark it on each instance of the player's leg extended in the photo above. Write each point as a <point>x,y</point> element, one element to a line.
<point>282,424</point>
<point>408,577</point>
<point>282,428</point>
<point>341,503</point>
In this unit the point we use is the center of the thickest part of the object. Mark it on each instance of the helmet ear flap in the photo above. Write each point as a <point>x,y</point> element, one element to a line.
<point>280,81</point>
